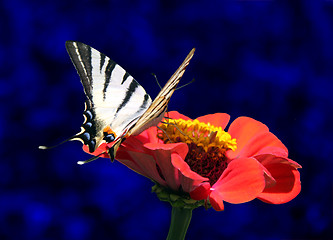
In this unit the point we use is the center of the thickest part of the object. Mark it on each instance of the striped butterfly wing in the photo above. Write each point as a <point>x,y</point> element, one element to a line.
<point>154,114</point>
<point>115,101</point>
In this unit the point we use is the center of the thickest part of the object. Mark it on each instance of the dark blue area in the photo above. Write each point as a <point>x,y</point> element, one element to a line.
<point>269,60</point>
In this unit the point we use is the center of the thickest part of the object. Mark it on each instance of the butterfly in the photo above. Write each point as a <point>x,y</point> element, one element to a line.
<point>117,106</point>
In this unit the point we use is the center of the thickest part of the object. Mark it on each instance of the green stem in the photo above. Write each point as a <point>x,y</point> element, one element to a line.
<point>180,220</point>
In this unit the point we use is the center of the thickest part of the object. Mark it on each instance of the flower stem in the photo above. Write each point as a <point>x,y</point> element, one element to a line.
<point>180,220</point>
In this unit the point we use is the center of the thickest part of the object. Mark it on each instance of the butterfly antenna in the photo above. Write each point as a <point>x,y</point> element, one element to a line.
<point>68,139</point>
<point>185,84</point>
<point>176,128</point>
<point>90,159</point>
<point>175,125</point>
<point>157,80</point>
<point>164,133</point>
<point>167,117</point>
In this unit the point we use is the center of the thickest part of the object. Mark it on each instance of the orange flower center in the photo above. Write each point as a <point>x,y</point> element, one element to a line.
<point>207,145</point>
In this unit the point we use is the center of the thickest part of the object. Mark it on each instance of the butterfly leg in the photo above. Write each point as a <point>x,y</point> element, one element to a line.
<point>175,125</point>
<point>164,133</point>
<point>113,150</point>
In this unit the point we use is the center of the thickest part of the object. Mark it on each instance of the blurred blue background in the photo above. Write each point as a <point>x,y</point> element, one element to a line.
<point>269,60</point>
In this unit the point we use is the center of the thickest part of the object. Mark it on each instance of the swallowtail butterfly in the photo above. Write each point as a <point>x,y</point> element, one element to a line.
<point>117,106</point>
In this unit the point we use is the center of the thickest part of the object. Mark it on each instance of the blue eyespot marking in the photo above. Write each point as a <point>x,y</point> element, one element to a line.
<point>87,125</point>
<point>109,137</point>
<point>88,114</point>
<point>85,137</point>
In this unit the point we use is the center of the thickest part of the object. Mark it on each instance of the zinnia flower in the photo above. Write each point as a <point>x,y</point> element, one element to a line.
<point>198,157</point>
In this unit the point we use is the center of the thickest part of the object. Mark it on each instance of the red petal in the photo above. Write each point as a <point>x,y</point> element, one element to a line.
<point>134,144</point>
<point>241,182</point>
<point>179,171</point>
<point>162,153</point>
<point>189,180</point>
<point>185,169</point>
<point>243,129</point>
<point>176,115</point>
<point>217,119</point>
<point>168,147</point>
<point>141,163</point>
<point>261,143</point>
<point>267,159</point>
<point>287,187</point>
<point>269,179</point>
<point>147,136</point>
<point>152,135</point>
<point>173,170</point>
<point>216,200</point>
<point>136,156</point>
<point>99,150</point>
<point>201,192</point>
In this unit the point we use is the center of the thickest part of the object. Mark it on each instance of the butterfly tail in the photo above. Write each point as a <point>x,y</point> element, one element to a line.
<point>67,140</point>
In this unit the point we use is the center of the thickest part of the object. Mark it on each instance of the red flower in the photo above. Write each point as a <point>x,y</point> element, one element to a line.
<point>198,157</point>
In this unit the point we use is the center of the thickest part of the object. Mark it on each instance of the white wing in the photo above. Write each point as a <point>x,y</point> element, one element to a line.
<point>115,99</point>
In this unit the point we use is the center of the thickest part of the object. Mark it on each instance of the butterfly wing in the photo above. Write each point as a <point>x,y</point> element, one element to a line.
<point>156,110</point>
<point>115,101</point>
<point>154,114</point>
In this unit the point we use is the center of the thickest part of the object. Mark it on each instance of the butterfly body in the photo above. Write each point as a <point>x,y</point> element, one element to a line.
<point>117,106</point>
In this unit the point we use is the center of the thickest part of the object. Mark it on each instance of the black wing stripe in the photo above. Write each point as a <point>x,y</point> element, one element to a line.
<point>74,53</point>
<point>108,71</point>
<point>101,62</point>
<point>131,89</point>
<point>144,103</point>
<point>85,55</point>
<point>126,75</point>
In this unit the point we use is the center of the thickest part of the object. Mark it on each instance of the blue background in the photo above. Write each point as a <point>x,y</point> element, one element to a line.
<point>269,60</point>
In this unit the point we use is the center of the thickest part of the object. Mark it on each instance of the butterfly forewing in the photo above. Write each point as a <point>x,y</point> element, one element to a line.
<point>115,99</point>
<point>155,112</point>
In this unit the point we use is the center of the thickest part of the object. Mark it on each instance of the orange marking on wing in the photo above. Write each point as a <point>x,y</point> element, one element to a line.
<point>108,130</point>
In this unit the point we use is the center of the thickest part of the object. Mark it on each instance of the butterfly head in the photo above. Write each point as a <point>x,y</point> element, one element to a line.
<point>109,135</point>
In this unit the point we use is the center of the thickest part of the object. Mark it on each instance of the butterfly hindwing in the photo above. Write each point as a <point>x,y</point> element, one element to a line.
<point>115,100</point>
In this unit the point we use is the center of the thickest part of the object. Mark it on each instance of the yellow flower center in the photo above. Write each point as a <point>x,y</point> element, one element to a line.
<point>207,145</point>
